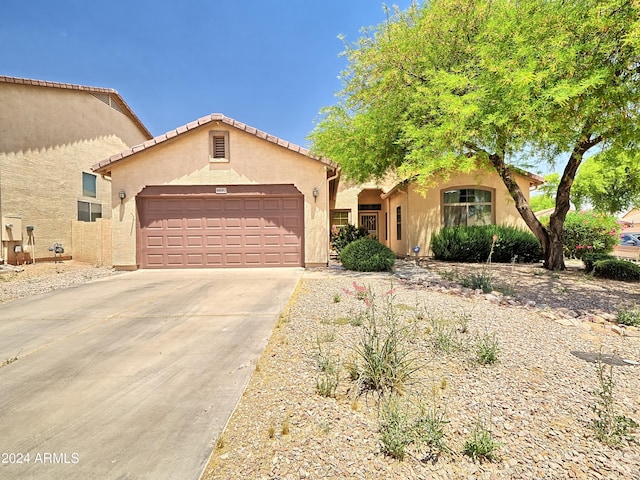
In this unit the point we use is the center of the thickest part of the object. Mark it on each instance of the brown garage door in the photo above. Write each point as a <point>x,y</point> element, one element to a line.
<point>240,226</point>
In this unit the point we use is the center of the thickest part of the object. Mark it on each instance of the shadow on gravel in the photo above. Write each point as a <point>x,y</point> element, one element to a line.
<point>607,358</point>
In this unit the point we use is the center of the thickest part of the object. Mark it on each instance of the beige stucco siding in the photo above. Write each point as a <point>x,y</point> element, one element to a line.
<point>184,160</point>
<point>48,137</point>
<point>425,208</point>
<point>50,117</point>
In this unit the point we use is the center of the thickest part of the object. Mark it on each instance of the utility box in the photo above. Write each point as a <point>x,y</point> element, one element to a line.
<point>11,229</point>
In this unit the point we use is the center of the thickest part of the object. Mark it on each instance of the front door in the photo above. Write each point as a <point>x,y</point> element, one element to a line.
<point>370,222</point>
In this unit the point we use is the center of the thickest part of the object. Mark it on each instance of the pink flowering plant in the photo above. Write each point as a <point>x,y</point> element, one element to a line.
<point>586,232</point>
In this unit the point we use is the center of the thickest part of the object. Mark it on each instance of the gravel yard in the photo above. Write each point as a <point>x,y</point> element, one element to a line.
<point>536,400</point>
<point>43,277</point>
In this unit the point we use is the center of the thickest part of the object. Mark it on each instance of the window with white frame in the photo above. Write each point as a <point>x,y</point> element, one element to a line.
<point>467,207</point>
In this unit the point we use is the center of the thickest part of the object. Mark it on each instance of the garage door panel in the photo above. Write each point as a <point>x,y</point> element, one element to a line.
<point>233,241</point>
<point>195,241</point>
<point>271,240</point>
<point>194,223</point>
<point>272,222</point>
<point>233,259</point>
<point>174,223</point>
<point>290,240</point>
<point>155,241</point>
<point>175,259</point>
<point>233,205</point>
<point>213,223</point>
<point>272,204</point>
<point>249,232</point>
<point>155,260</point>
<point>195,259</point>
<point>194,205</point>
<point>175,241</point>
<point>253,222</point>
<point>253,240</point>
<point>291,258</point>
<point>233,222</point>
<point>291,222</point>
<point>214,241</point>
<point>213,205</point>
<point>214,260</point>
<point>253,259</point>
<point>174,205</point>
<point>252,204</point>
<point>291,204</point>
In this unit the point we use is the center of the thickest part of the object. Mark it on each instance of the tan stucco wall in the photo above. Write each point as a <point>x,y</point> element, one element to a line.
<point>421,210</point>
<point>425,215</point>
<point>48,137</point>
<point>92,242</point>
<point>185,161</point>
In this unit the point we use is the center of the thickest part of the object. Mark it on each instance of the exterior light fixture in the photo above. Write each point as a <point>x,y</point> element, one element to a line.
<point>316,192</point>
<point>122,194</point>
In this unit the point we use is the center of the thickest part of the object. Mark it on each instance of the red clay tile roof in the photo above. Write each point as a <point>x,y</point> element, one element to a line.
<point>83,88</point>
<point>105,165</point>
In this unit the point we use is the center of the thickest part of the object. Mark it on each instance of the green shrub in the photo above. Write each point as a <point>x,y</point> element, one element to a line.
<point>367,255</point>
<point>347,234</point>
<point>617,270</point>
<point>589,232</point>
<point>473,244</point>
<point>590,258</point>
<point>395,429</point>
<point>628,316</point>
<point>481,445</point>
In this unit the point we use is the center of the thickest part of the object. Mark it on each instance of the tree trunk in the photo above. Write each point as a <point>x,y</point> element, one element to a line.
<point>551,239</point>
<point>553,255</point>
<point>551,243</point>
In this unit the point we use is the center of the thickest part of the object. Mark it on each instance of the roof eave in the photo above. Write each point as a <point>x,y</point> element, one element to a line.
<point>105,165</point>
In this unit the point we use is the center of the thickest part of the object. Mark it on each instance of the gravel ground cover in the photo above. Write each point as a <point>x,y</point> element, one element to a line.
<point>536,401</point>
<point>43,277</point>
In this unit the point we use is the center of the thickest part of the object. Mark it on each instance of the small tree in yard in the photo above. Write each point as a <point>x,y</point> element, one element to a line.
<point>459,85</point>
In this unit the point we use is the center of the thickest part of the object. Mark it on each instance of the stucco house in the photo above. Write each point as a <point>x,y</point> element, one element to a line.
<point>403,215</point>
<point>218,193</point>
<point>50,136</point>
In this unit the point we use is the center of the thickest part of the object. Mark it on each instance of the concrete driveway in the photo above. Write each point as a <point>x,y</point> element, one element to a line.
<point>133,376</point>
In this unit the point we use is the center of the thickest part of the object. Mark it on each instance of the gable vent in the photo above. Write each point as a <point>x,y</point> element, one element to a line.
<point>219,147</point>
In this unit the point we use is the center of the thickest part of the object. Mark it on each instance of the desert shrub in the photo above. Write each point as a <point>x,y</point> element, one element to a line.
<point>347,234</point>
<point>481,445</point>
<point>589,258</point>
<point>589,232</point>
<point>367,255</point>
<point>473,244</point>
<point>617,270</point>
<point>629,316</point>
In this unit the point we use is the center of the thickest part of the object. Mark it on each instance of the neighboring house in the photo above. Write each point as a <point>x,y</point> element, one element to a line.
<point>218,193</point>
<point>403,215</point>
<point>631,220</point>
<point>50,135</point>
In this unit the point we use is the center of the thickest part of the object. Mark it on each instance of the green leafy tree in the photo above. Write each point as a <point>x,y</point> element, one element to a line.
<point>609,182</point>
<point>547,197</point>
<point>458,85</point>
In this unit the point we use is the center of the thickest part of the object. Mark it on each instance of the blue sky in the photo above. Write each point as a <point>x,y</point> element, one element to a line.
<point>272,64</point>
